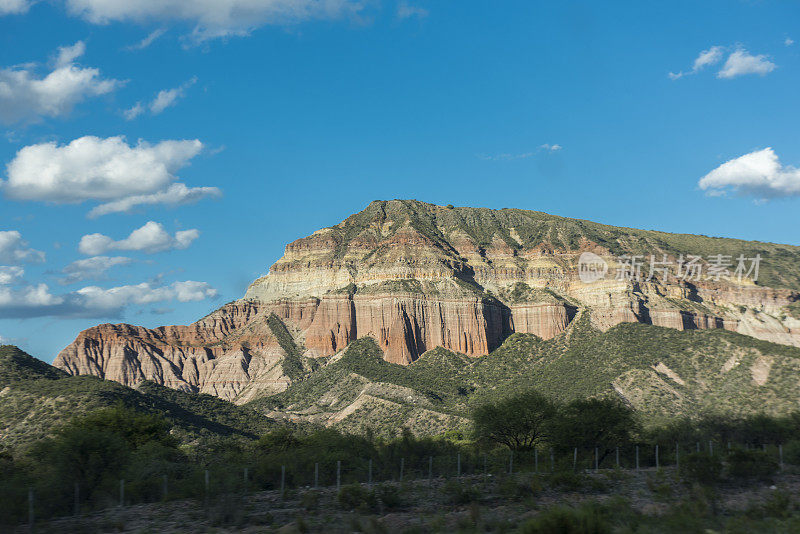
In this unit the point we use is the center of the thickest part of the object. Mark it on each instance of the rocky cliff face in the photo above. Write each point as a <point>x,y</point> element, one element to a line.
<point>415,276</point>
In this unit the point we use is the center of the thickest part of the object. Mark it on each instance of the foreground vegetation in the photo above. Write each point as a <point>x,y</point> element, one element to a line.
<point>86,450</point>
<point>550,463</point>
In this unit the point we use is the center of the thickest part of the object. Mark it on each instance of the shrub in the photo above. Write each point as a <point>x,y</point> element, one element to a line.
<point>390,496</point>
<point>310,500</point>
<point>356,497</point>
<point>566,480</point>
<point>515,488</point>
<point>460,493</point>
<point>587,519</point>
<point>751,465</point>
<point>791,452</point>
<point>701,467</point>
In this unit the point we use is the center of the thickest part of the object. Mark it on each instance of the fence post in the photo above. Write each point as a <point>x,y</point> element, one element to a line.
<point>552,460</point>
<point>637,457</point>
<point>729,445</point>
<point>485,471</point>
<point>31,517</point>
<point>511,463</point>
<point>458,465</point>
<point>207,485</point>
<point>710,447</point>
<point>430,470</point>
<point>657,464</point>
<point>316,475</point>
<point>338,475</point>
<point>780,455</point>
<point>575,459</point>
<point>596,459</point>
<point>77,499</point>
<point>402,467</point>
<point>369,473</point>
<point>617,456</point>
<point>677,456</point>
<point>536,460</point>
<point>283,481</point>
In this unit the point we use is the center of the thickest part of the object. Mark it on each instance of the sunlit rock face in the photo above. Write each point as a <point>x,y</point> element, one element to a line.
<point>416,276</point>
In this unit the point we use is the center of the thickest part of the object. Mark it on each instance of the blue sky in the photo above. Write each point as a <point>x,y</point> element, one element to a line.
<point>279,117</point>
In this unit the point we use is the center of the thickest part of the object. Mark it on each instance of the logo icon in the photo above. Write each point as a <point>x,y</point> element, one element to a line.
<point>591,267</point>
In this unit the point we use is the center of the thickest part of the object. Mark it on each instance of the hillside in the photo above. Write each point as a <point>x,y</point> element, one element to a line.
<point>662,373</point>
<point>36,398</point>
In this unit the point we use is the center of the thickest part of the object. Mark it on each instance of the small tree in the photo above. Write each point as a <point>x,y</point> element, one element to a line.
<point>518,422</point>
<point>589,423</point>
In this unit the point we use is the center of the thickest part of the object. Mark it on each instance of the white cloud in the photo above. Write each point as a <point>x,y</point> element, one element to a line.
<point>91,268</point>
<point>150,238</point>
<point>92,168</point>
<point>521,155</point>
<point>68,54</point>
<point>741,62</point>
<point>25,97</point>
<point>551,148</point>
<point>119,297</point>
<point>163,100</point>
<point>14,250</point>
<point>148,40</point>
<point>406,10</point>
<point>176,194</point>
<point>20,302</point>
<point>93,301</point>
<point>134,111</point>
<point>214,18</point>
<point>788,41</point>
<point>759,174</point>
<point>705,58</point>
<point>14,7</point>
<point>10,274</point>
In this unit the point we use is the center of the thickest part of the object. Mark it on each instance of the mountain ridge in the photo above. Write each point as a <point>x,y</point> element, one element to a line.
<point>417,277</point>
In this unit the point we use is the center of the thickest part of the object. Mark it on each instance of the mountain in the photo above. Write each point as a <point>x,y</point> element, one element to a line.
<point>423,280</point>
<point>36,398</point>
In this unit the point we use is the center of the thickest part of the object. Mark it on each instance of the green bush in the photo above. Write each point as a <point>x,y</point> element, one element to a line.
<point>566,480</point>
<point>356,497</point>
<point>587,519</point>
<point>519,488</point>
<point>310,500</point>
<point>390,496</point>
<point>751,465</point>
<point>458,492</point>
<point>791,452</point>
<point>701,467</point>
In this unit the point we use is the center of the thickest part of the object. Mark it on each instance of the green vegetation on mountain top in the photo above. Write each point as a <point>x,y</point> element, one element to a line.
<point>779,268</point>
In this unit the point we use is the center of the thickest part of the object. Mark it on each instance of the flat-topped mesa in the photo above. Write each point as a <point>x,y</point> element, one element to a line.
<point>416,276</point>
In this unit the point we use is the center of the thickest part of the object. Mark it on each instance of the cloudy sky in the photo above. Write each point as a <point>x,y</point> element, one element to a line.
<point>157,155</point>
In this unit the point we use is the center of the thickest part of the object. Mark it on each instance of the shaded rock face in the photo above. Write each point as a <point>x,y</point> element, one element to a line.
<point>416,276</point>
